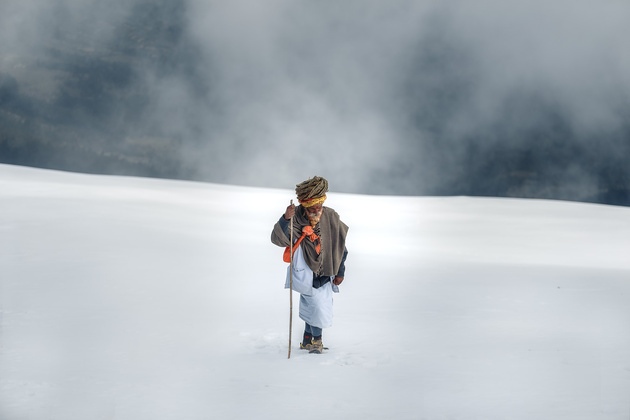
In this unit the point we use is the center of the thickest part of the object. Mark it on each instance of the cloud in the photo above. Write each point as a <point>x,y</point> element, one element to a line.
<point>370,89</point>
<point>400,97</point>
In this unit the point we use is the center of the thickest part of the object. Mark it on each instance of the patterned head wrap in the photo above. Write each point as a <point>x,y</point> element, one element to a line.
<point>312,191</point>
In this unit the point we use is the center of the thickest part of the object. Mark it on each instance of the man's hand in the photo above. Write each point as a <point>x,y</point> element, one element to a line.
<point>288,214</point>
<point>337,281</point>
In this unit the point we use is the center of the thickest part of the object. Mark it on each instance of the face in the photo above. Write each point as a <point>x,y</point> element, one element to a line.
<point>314,213</point>
<point>315,210</point>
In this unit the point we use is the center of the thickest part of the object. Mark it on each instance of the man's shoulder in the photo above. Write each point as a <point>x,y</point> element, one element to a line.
<point>332,215</point>
<point>330,211</point>
<point>334,221</point>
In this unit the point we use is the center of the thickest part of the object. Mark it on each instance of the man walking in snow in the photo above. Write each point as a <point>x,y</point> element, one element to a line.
<point>319,256</point>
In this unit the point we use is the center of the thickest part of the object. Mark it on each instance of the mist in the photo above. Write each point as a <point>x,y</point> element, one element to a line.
<point>523,99</point>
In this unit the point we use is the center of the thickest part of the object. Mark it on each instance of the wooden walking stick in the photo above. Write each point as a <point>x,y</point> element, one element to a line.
<point>291,288</point>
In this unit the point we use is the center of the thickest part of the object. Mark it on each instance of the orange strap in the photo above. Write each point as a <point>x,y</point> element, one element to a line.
<point>307,231</point>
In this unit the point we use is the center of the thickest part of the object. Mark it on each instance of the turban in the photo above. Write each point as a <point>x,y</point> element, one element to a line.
<point>312,191</point>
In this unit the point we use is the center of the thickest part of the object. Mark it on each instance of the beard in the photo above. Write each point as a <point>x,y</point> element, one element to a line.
<point>313,218</point>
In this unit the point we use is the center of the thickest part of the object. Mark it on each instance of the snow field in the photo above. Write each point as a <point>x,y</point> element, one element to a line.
<point>127,298</point>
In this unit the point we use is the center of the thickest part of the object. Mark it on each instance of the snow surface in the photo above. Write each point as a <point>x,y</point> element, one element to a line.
<point>127,298</point>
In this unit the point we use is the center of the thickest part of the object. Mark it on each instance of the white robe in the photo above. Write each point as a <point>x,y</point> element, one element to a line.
<point>316,305</point>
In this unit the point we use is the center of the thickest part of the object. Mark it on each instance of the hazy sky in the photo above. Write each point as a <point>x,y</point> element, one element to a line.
<point>377,96</point>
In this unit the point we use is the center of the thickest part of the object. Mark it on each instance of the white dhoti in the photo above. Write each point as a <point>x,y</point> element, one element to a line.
<point>316,305</point>
<point>317,309</point>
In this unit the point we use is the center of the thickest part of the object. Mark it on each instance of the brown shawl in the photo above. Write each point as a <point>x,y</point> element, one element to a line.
<point>332,236</point>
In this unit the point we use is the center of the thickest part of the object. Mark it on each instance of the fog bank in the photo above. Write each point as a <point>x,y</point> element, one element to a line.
<point>524,99</point>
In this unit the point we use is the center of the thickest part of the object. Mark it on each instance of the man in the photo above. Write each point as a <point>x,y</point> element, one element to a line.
<point>319,256</point>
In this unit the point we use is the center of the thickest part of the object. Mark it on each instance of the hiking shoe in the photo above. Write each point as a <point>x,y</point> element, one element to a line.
<point>307,341</point>
<point>316,346</point>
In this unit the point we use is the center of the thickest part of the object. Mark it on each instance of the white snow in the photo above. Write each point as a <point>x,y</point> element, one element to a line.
<point>126,298</point>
